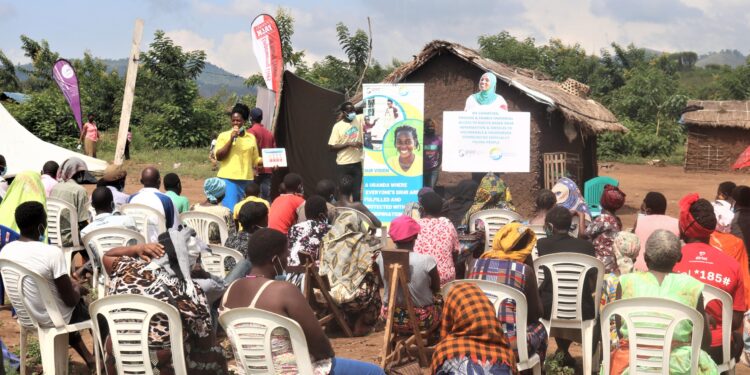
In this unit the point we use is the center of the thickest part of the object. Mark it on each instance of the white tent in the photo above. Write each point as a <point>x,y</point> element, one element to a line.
<point>24,151</point>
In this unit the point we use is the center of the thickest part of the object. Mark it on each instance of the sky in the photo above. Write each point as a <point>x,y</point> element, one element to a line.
<point>399,28</point>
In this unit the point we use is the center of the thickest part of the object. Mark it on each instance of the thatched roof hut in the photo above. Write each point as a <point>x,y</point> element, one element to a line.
<point>717,133</point>
<point>563,119</point>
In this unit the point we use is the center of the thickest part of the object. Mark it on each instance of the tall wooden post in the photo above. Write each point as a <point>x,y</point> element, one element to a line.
<point>127,98</point>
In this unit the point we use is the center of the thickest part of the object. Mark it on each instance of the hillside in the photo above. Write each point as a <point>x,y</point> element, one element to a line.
<point>731,58</point>
<point>210,81</point>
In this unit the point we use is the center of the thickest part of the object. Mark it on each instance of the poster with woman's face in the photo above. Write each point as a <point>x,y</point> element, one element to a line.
<point>394,134</point>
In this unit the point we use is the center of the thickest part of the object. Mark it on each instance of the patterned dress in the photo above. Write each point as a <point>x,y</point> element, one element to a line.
<point>602,232</point>
<point>307,237</point>
<point>438,238</point>
<point>131,277</point>
<point>512,274</point>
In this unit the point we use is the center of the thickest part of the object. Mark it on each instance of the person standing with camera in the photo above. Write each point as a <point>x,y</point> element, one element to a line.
<point>238,155</point>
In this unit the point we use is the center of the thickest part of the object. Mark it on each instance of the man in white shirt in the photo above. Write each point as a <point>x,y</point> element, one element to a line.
<point>103,203</point>
<point>49,262</point>
<point>152,197</point>
<point>114,179</point>
<point>49,176</point>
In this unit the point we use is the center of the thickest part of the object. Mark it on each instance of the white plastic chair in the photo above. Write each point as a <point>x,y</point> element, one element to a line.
<point>568,274</point>
<point>99,241</point>
<point>493,220</point>
<point>128,318</point>
<point>497,293</point>
<point>143,216</point>
<point>360,215</point>
<point>711,293</point>
<point>56,208</point>
<point>651,323</point>
<point>214,264</point>
<point>201,223</point>
<point>249,331</point>
<point>53,341</point>
<point>540,233</point>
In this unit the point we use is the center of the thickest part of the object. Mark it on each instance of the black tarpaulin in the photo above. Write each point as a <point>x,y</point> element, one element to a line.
<point>305,118</point>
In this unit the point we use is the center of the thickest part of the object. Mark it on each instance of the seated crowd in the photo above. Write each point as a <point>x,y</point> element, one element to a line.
<point>661,256</point>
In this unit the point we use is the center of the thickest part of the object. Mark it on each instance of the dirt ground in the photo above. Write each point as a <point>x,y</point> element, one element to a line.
<point>635,181</point>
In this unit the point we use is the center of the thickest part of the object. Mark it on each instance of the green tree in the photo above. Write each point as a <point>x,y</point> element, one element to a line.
<point>42,60</point>
<point>8,79</point>
<point>506,49</point>
<point>735,85</point>
<point>100,91</point>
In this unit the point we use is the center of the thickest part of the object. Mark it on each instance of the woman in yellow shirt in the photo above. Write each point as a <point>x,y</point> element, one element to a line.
<point>406,162</point>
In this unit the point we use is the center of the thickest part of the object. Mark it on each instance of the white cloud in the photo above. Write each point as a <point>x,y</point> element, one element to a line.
<point>232,52</point>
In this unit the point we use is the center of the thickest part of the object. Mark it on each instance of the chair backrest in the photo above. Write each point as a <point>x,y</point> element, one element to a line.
<point>593,188</point>
<point>360,215</point>
<point>395,256</point>
<point>142,214</point>
<point>540,233</point>
<point>567,272</point>
<point>7,235</point>
<point>99,241</point>
<point>493,219</point>
<point>214,263</point>
<point>497,293</point>
<point>651,323</point>
<point>16,279</point>
<point>128,318</point>
<point>56,208</point>
<point>711,293</point>
<point>249,331</point>
<point>201,222</point>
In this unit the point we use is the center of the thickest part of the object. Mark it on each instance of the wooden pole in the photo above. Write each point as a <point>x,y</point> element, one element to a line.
<point>127,98</point>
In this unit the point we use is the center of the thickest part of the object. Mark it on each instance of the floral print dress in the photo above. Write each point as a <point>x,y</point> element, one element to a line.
<point>307,237</point>
<point>438,238</point>
<point>602,232</point>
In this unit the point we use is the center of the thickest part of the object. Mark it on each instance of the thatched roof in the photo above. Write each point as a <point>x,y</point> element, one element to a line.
<point>729,114</point>
<point>592,117</point>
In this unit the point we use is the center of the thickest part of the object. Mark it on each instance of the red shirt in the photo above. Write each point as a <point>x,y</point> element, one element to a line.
<point>283,213</point>
<point>710,266</point>
<point>264,139</point>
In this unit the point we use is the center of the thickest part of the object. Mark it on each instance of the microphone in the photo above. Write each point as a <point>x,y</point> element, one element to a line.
<point>241,134</point>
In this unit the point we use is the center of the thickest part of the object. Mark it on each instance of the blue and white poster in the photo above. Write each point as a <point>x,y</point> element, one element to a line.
<point>393,137</point>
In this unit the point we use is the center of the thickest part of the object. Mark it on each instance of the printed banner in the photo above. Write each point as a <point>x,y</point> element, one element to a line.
<point>486,141</point>
<point>267,48</point>
<point>393,135</point>
<point>66,79</point>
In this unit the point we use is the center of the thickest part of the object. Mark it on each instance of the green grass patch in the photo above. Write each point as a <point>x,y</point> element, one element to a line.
<point>676,158</point>
<point>191,162</point>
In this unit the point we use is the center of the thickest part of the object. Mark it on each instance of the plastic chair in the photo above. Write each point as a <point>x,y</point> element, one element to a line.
<point>214,264</point>
<point>360,215</point>
<point>711,293</point>
<point>143,216</point>
<point>128,318</point>
<point>53,341</point>
<point>568,275</point>
<point>7,236</point>
<point>592,192</point>
<point>493,219</point>
<point>99,241</point>
<point>249,330</point>
<point>201,222</point>
<point>540,233</point>
<point>497,293</point>
<point>55,210</point>
<point>651,323</point>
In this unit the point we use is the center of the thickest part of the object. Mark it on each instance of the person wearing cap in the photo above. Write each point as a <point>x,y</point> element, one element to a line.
<point>264,139</point>
<point>346,141</point>
<point>710,266</point>
<point>424,280</point>
<point>114,180</point>
<point>238,156</point>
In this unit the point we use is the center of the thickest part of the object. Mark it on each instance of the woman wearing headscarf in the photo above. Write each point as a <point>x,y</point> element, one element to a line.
<point>472,340</point>
<point>26,187</point>
<point>486,99</point>
<point>626,247</point>
<point>492,193</point>
<point>71,173</point>
<point>214,188</point>
<point>346,258</point>
<point>165,271</point>
<point>569,196</point>
<point>509,263</point>
<point>604,228</point>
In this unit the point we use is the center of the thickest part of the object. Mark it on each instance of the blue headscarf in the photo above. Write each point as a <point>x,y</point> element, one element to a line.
<point>214,188</point>
<point>488,96</point>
